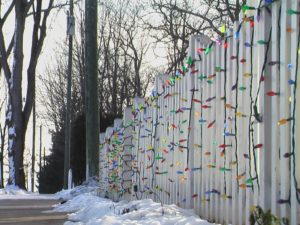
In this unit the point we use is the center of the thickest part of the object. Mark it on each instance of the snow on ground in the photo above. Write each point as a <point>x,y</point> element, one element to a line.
<point>90,186</point>
<point>14,192</point>
<point>141,212</point>
<point>87,208</point>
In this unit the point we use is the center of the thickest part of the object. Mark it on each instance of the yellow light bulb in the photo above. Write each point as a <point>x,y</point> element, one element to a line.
<point>178,163</point>
<point>184,99</point>
<point>247,74</point>
<point>239,114</point>
<point>223,29</point>
<point>282,122</point>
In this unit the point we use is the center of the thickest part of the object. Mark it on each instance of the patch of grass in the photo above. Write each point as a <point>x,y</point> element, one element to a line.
<point>260,217</point>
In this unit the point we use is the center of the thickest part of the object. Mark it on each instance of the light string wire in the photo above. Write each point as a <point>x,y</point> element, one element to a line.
<point>237,103</point>
<point>225,111</point>
<point>294,123</point>
<point>189,127</point>
<point>251,128</point>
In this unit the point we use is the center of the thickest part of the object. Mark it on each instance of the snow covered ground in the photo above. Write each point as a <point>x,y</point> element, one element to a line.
<point>87,208</point>
<point>92,210</point>
<point>13,192</point>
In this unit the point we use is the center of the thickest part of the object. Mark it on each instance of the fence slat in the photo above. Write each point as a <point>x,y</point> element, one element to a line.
<point>284,108</point>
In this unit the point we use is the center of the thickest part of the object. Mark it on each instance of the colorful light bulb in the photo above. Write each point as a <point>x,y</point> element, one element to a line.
<point>207,50</point>
<point>247,7</point>
<point>223,29</point>
<point>291,82</point>
<point>284,121</point>
<point>272,93</point>
<point>292,12</point>
<point>243,60</point>
<point>262,42</point>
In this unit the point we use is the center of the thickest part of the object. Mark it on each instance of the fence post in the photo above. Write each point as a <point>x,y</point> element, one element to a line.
<point>191,128</point>
<point>284,111</point>
<point>275,42</point>
<point>102,163</point>
<point>118,152</point>
<point>108,134</point>
<point>138,106</point>
<point>127,153</point>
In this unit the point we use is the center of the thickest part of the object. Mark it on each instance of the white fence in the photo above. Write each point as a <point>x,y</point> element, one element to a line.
<point>223,135</point>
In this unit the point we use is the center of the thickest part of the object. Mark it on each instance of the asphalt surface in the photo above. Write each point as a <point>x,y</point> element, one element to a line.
<point>30,212</point>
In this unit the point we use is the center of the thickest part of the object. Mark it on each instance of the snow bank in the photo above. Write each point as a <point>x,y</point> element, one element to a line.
<point>105,212</point>
<point>14,192</point>
<point>90,209</point>
<point>81,201</point>
<point>90,186</point>
<point>86,208</point>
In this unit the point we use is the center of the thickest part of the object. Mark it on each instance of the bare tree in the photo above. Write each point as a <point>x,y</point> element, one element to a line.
<point>123,45</point>
<point>178,20</point>
<point>135,45</point>
<point>123,72</point>
<point>18,114</point>
<point>53,91</point>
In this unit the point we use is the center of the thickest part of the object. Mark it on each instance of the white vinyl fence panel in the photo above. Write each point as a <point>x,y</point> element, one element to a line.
<point>221,134</point>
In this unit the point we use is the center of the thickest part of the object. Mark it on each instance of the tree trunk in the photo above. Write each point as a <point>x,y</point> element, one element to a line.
<point>2,145</point>
<point>16,130</point>
<point>1,165</point>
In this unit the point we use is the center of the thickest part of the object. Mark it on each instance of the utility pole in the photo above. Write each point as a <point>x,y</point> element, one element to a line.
<point>40,148</point>
<point>70,33</point>
<point>33,141</point>
<point>91,88</point>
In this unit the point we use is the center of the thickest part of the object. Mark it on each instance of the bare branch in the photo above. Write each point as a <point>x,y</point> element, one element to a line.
<point>4,57</point>
<point>57,6</point>
<point>36,47</point>
<point>7,13</point>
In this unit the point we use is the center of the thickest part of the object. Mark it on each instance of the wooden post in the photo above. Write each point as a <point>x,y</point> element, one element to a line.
<point>70,33</point>
<point>91,87</point>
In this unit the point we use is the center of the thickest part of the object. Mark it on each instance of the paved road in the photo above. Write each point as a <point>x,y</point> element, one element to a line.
<point>29,212</point>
